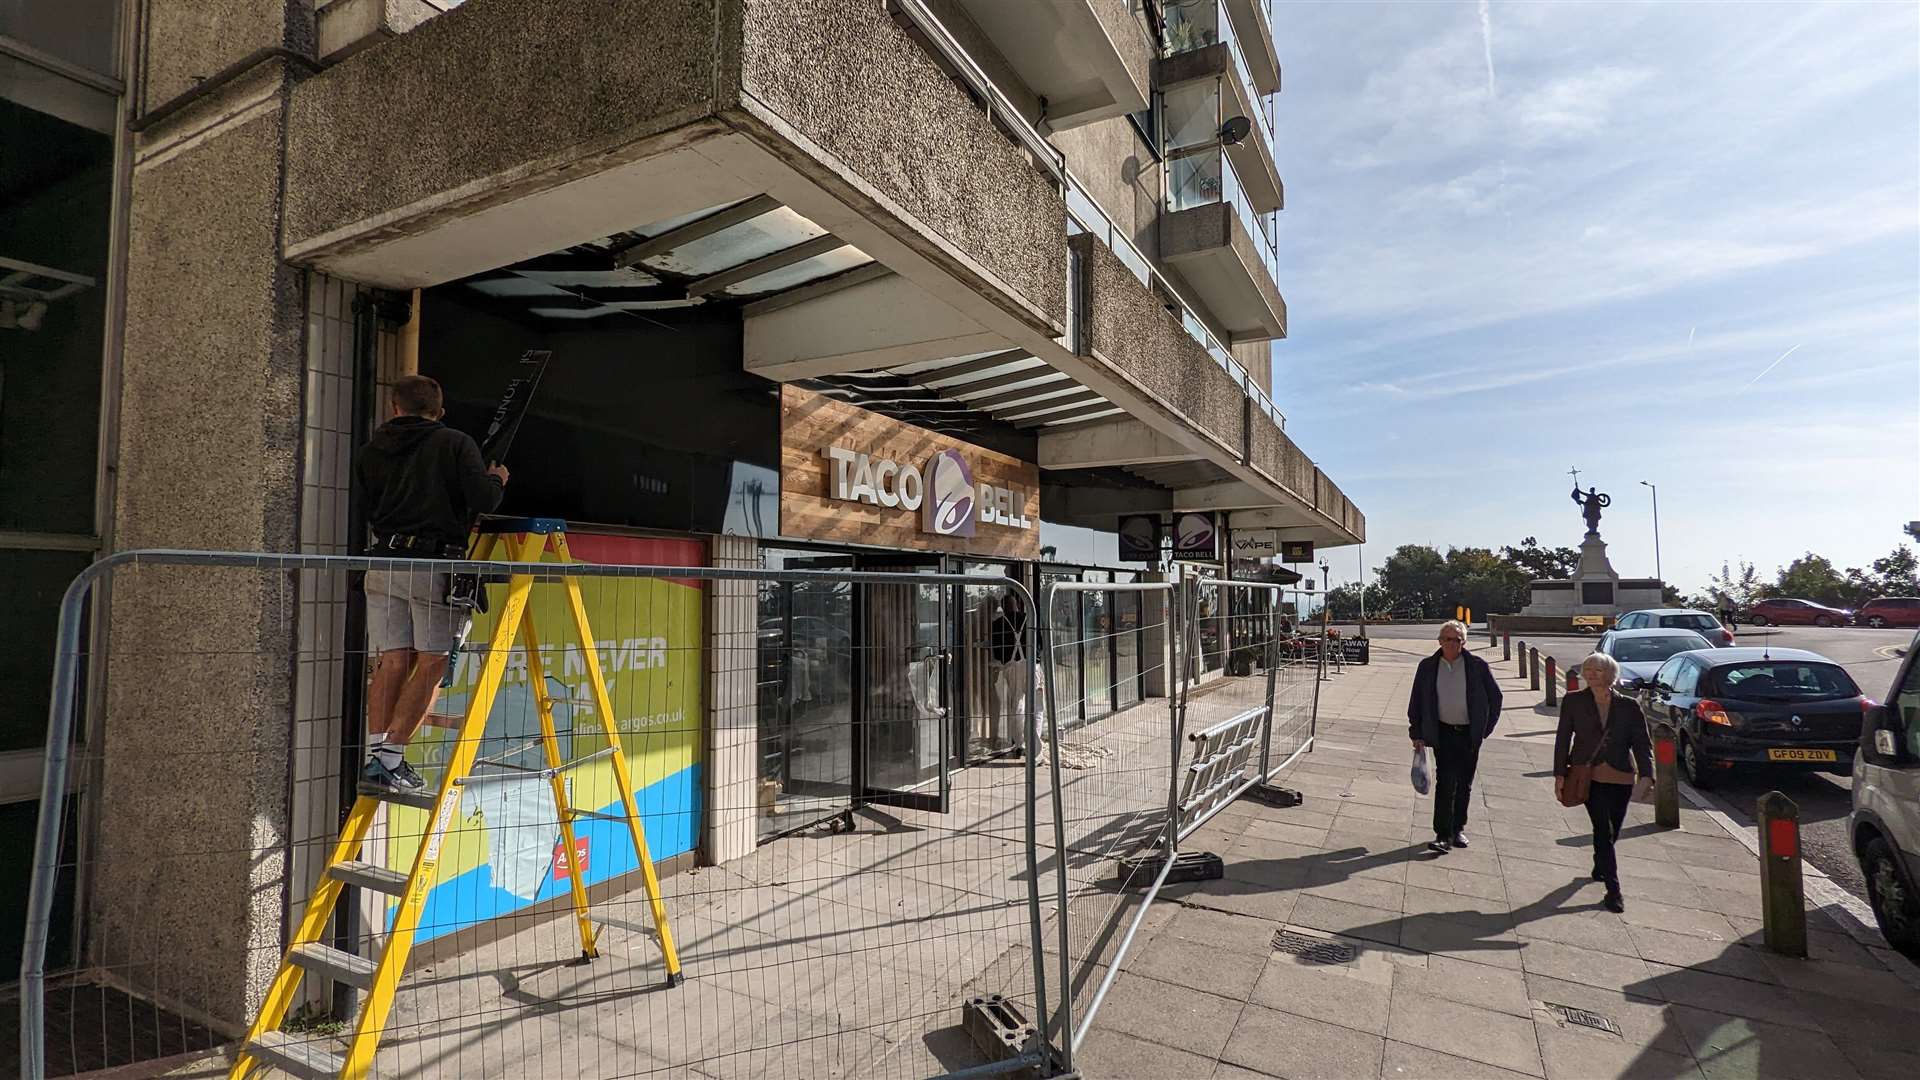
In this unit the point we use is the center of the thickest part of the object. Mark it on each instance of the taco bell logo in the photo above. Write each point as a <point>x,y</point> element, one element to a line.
<point>949,506</point>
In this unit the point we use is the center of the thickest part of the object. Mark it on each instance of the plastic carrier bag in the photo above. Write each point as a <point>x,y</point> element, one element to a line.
<point>1422,779</point>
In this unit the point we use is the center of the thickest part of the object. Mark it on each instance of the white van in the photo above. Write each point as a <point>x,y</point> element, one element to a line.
<point>1886,807</point>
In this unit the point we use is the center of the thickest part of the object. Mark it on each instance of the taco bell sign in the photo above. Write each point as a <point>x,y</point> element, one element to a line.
<point>942,490</point>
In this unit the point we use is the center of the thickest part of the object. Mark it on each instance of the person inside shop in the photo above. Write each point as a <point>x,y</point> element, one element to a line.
<point>1008,646</point>
<point>420,484</point>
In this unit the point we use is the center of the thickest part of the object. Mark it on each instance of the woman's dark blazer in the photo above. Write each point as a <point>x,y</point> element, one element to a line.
<point>1578,739</point>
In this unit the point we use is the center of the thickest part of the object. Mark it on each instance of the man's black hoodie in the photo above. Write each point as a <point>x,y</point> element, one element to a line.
<point>419,477</point>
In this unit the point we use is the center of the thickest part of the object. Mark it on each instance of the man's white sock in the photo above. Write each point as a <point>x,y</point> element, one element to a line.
<point>375,742</point>
<point>390,754</point>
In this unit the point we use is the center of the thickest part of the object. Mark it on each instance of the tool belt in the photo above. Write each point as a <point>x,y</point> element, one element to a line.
<point>419,547</point>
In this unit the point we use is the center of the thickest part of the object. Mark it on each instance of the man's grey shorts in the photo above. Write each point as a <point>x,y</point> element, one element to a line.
<point>407,609</point>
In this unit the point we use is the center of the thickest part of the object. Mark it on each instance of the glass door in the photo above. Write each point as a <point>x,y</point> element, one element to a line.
<point>902,730</point>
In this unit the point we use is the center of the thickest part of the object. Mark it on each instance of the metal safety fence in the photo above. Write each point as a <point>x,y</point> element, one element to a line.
<point>674,818</point>
<point>1216,695</point>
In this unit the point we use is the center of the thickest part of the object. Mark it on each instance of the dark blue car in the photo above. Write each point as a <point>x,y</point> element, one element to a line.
<point>1743,707</point>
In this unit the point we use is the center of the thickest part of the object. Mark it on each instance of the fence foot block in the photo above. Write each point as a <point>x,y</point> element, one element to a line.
<point>997,1027</point>
<point>1187,866</point>
<point>1275,795</point>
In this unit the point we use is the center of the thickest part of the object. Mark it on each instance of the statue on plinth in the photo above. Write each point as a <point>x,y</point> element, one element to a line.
<point>1591,503</point>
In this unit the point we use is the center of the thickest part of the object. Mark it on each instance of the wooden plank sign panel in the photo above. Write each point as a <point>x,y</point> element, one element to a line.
<point>851,476</point>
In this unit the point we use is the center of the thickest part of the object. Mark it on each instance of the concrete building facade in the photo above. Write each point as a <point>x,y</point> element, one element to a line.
<point>1044,229</point>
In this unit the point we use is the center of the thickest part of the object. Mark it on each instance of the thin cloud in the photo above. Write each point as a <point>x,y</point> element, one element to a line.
<point>1690,332</point>
<point>1486,40</point>
<point>1770,367</point>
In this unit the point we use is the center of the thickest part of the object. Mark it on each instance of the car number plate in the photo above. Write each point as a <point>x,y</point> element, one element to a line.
<point>1778,754</point>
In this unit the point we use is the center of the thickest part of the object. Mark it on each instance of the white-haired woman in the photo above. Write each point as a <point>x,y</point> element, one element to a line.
<point>1607,734</point>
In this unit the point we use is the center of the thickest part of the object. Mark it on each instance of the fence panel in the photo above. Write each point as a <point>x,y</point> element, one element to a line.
<point>1111,740</point>
<point>797,727</point>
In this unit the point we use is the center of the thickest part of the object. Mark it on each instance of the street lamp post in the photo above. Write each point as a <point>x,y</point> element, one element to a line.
<point>1655,488</point>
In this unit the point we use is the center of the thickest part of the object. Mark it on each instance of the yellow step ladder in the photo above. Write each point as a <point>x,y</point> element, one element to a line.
<point>266,1044</point>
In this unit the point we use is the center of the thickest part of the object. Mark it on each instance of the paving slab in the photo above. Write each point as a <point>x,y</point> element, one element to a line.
<point>1299,1048</point>
<point>1465,1031</point>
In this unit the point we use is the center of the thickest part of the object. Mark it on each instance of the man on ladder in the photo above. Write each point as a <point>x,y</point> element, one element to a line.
<point>421,485</point>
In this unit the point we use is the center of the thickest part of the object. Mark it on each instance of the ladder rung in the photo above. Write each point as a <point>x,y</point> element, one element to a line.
<point>522,772</point>
<point>304,1057</point>
<point>419,800</point>
<point>334,964</point>
<point>643,929</point>
<point>578,812</point>
<point>369,876</point>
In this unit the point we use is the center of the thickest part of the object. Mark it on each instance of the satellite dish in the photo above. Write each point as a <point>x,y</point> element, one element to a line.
<point>1235,130</point>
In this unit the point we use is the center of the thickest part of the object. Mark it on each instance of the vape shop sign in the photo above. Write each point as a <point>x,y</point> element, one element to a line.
<point>848,475</point>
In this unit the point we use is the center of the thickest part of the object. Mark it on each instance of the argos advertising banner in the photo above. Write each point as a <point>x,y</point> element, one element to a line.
<point>505,852</point>
<point>848,475</point>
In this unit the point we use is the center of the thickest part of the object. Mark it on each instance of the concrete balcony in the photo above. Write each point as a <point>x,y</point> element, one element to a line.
<point>1253,27</point>
<point>1222,251</point>
<point>1089,59</point>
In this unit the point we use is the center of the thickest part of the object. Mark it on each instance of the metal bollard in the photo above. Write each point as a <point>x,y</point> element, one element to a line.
<point>1553,684</point>
<point>1523,659</point>
<point>1783,901</point>
<point>1666,777</point>
<point>1533,669</point>
<point>1491,636</point>
<point>1506,646</point>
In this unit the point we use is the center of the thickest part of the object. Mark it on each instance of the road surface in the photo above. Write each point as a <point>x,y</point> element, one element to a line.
<point>1824,800</point>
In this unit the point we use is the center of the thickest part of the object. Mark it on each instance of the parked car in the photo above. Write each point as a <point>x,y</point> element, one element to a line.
<point>1886,807</point>
<point>1782,611</point>
<point>1700,622</point>
<point>1889,611</point>
<point>1640,653</point>
<point>1746,706</point>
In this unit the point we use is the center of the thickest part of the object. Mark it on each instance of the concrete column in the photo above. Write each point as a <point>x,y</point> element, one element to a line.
<point>189,881</point>
<point>733,731</point>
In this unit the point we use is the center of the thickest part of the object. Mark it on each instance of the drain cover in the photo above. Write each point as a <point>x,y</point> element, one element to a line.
<point>1313,949</point>
<point>1567,1014</point>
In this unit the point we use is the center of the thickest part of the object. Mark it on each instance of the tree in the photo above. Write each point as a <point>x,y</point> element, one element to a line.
<point>1416,577</point>
<point>1898,574</point>
<point>1742,588</point>
<point>1484,582</point>
<point>1812,577</point>
<point>1671,597</point>
<point>1542,562</point>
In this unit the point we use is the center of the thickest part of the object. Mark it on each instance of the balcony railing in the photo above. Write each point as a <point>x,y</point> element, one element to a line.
<point>1197,24</point>
<point>1206,177</point>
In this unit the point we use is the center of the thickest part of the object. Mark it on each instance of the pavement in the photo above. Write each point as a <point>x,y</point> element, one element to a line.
<point>1493,961</point>
<point>1824,799</point>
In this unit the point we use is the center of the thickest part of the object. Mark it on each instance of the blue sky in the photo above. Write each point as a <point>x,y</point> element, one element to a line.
<point>1521,237</point>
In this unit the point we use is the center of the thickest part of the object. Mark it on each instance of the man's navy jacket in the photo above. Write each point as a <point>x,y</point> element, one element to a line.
<point>1423,705</point>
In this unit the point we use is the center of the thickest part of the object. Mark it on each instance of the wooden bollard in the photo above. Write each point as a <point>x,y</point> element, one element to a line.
<point>1523,659</point>
<point>1666,777</point>
<point>1783,901</point>
<point>1533,669</point>
<point>1506,646</point>
<point>1553,683</point>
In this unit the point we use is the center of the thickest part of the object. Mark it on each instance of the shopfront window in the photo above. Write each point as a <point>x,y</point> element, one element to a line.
<point>993,691</point>
<point>1064,634</point>
<point>1127,648</point>
<point>1096,656</point>
<point>1209,622</point>
<point>806,686</point>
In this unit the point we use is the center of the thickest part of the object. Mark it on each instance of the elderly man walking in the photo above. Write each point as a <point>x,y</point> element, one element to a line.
<point>1454,705</point>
